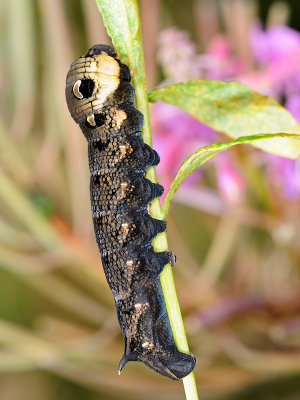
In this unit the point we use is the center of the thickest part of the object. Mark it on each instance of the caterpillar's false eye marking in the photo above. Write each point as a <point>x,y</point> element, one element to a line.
<point>118,159</point>
<point>95,120</point>
<point>83,89</point>
<point>100,119</point>
<point>91,120</point>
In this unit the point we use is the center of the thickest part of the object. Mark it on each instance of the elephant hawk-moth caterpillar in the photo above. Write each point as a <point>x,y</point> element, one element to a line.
<point>100,99</point>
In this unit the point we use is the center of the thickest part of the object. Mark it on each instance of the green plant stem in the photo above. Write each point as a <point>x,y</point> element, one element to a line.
<point>160,242</point>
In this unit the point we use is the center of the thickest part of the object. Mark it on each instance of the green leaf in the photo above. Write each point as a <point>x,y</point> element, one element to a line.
<point>202,155</point>
<point>121,20</point>
<point>234,109</point>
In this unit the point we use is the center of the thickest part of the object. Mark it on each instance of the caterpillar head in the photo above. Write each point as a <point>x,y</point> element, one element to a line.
<point>93,82</point>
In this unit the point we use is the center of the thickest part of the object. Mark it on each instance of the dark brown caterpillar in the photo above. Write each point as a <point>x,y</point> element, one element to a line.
<point>100,99</point>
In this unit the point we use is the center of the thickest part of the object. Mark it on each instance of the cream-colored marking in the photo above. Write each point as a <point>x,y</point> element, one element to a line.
<point>148,345</point>
<point>129,263</point>
<point>105,87</point>
<point>124,184</point>
<point>91,120</point>
<point>107,65</point>
<point>138,306</point>
<point>76,90</point>
<point>120,117</point>
<point>123,149</point>
<point>125,229</point>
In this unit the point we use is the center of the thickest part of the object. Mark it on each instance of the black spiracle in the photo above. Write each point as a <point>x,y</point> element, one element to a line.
<point>100,99</point>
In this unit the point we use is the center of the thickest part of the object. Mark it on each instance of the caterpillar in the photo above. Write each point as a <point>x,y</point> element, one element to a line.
<point>100,99</point>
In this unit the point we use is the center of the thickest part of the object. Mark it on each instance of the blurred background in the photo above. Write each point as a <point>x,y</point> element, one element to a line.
<point>234,224</point>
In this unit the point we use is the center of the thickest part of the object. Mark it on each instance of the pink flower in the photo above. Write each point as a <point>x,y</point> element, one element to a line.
<point>177,56</point>
<point>220,60</point>
<point>286,174</point>
<point>175,136</point>
<point>180,62</point>
<point>293,105</point>
<point>274,43</point>
<point>230,181</point>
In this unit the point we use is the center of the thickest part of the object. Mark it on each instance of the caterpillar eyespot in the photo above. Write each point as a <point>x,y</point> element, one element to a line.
<point>100,99</point>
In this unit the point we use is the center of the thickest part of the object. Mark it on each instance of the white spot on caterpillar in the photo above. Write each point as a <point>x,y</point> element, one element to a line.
<point>76,90</point>
<point>123,149</point>
<point>148,345</point>
<point>129,263</point>
<point>120,117</point>
<point>91,120</point>
<point>125,228</point>
<point>139,306</point>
